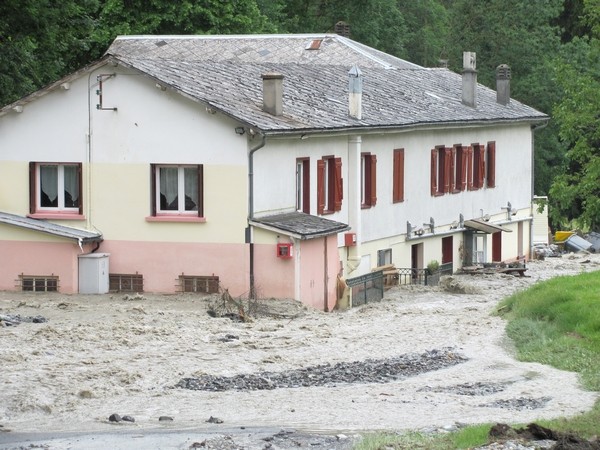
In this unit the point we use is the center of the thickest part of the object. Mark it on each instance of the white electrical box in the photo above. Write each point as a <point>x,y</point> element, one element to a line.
<point>93,273</point>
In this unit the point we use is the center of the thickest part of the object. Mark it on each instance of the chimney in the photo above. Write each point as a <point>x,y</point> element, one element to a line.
<point>273,93</point>
<point>469,80</point>
<point>355,92</point>
<point>503,84</point>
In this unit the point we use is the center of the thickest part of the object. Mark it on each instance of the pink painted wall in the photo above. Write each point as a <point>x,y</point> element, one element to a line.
<point>273,276</point>
<point>313,265</point>
<point>39,258</point>
<point>161,263</point>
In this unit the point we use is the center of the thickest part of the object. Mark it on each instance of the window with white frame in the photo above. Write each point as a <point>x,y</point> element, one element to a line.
<point>177,189</point>
<point>55,187</point>
<point>303,185</point>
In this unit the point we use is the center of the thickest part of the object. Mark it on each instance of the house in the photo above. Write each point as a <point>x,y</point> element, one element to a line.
<point>261,164</point>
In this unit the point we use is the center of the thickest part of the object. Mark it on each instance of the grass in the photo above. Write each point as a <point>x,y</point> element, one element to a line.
<point>557,323</point>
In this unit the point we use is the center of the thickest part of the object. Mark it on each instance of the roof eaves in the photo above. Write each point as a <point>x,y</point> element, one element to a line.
<point>53,86</point>
<point>366,129</point>
<point>42,226</point>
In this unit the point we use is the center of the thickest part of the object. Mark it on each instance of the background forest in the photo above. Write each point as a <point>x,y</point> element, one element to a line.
<point>552,47</point>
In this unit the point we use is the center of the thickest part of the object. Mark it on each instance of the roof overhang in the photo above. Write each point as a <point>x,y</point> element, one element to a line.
<point>486,227</point>
<point>299,225</point>
<point>81,236</point>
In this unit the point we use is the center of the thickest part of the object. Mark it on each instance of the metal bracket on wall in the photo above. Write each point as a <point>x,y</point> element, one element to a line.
<point>101,78</point>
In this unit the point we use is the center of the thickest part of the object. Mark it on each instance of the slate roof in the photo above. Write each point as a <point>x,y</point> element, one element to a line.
<point>300,225</point>
<point>51,228</point>
<point>224,72</point>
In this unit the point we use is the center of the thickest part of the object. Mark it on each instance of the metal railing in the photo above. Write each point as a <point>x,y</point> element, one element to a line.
<point>424,276</point>
<point>366,288</point>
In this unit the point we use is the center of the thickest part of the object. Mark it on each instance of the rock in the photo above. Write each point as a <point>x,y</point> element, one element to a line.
<point>114,418</point>
<point>214,420</point>
<point>165,419</point>
<point>128,419</point>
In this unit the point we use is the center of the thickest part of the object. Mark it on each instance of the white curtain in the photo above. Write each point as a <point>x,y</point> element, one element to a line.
<point>191,188</point>
<point>71,186</point>
<point>168,186</point>
<point>48,185</point>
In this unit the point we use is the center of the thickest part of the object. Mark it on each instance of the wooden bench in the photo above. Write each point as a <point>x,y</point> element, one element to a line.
<point>514,271</point>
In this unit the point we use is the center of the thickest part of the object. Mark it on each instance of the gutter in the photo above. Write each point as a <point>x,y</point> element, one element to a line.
<point>534,128</point>
<point>249,234</point>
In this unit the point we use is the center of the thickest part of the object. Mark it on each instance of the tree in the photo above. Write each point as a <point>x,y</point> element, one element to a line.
<point>427,31</point>
<point>522,35</point>
<point>377,23</point>
<point>40,41</point>
<point>575,194</point>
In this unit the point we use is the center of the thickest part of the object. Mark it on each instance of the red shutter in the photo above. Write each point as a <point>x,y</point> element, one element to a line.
<point>32,196</point>
<point>447,165</point>
<point>80,187</point>
<point>200,190</point>
<point>320,186</point>
<point>469,167</point>
<point>491,164</point>
<point>434,158</point>
<point>338,185</point>
<point>373,192</point>
<point>398,191</point>
<point>153,189</point>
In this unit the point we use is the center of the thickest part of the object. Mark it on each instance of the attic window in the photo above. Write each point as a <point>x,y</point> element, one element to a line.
<point>161,43</point>
<point>314,44</point>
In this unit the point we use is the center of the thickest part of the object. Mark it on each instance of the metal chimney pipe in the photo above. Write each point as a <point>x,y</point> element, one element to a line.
<point>503,84</point>
<point>469,79</point>
<point>273,93</point>
<point>355,92</point>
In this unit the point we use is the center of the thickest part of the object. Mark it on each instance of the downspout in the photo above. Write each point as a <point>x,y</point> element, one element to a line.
<point>533,130</point>
<point>249,234</point>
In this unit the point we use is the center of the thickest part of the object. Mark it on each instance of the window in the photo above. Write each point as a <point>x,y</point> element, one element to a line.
<point>35,283</point>
<point>199,283</point>
<point>368,180</point>
<point>460,156</point>
<point>491,164</point>
<point>303,185</point>
<point>398,176</point>
<point>384,257</point>
<point>478,166</point>
<point>462,168</point>
<point>55,187</point>
<point>442,176</point>
<point>329,185</point>
<point>177,190</point>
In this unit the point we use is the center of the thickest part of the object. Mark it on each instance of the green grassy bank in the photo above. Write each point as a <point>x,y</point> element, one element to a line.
<point>557,323</point>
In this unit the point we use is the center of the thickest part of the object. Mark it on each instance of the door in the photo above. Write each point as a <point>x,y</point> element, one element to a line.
<point>497,246</point>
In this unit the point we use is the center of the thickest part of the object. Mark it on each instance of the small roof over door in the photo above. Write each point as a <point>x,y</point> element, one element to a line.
<point>486,227</point>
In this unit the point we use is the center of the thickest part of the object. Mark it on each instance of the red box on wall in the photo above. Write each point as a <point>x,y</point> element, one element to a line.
<point>285,251</point>
<point>350,239</point>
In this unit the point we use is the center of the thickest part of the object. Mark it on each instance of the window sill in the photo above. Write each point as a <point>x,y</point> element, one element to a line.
<point>56,216</point>
<point>174,218</point>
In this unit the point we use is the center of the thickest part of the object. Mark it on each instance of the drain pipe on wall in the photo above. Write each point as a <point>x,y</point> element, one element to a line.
<point>534,128</point>
<point>249,234</point>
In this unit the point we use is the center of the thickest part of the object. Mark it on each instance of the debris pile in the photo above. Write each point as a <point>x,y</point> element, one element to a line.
<point>10,320</point>
<point>368,371</point>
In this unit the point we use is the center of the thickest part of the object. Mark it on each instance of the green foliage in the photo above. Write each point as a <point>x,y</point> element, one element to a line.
<point>40,42</point>
<point>558,323</point>
<point>469,437</point>
<point>575,193</point>
<point>377,23</point>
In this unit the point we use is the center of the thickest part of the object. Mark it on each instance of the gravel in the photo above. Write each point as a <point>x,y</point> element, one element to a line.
<point>368,371</point>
